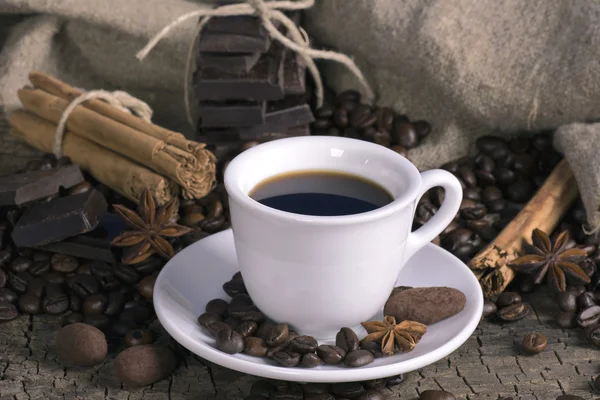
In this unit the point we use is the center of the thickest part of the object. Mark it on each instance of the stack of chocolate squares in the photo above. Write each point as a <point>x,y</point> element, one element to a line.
<point>249,87</point>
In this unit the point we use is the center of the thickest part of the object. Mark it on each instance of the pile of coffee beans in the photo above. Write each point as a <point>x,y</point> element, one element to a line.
<point>347,116</point>
<point>497,181</point>
<point>367,390</point>
<point>508,307</point>
<point>239,326</point>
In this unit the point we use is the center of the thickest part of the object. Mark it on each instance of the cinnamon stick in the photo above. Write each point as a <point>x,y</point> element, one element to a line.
<point>179,165</point>
<point>543,211</point>
<point>67,92</point>
<point>112,169</point>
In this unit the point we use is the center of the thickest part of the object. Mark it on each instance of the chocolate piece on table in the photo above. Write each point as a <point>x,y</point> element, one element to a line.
<point>29,186</point>
<point>228,63</point>
<point>94,245</point>
<point>263,82</point>
<point>231,114</point>
<point>59,218</point>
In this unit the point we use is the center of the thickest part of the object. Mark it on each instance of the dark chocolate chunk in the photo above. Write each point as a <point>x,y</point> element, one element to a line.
<point>59,218</point>
<point>231,114</point>
<point>228,63</point>
<point>280,116</point>
<point>246,25</point>
<point>29,186</point>
<point>294,74</point>
<point>263,82</point>
<point>94,245</point>
<point>218,42</point>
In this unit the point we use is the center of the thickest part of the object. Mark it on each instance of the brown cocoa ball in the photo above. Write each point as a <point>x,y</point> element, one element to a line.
<point>143,365</point>
<point>82,345</point>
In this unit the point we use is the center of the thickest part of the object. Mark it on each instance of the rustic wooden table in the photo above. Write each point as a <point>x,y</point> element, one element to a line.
<point>488,366</point>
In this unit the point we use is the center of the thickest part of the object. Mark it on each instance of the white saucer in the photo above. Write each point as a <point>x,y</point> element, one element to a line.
<point>196,275</point>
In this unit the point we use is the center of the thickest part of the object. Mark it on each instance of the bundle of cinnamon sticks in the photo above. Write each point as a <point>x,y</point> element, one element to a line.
<point>118,149</point>
<point>544,211</point>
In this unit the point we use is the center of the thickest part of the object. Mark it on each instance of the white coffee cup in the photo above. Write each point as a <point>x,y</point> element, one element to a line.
<point>322,273</point>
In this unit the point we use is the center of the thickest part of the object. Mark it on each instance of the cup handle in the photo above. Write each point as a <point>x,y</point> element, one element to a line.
<point>443,217</point>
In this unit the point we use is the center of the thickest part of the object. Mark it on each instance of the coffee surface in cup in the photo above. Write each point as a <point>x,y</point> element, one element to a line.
<point>321,193</point>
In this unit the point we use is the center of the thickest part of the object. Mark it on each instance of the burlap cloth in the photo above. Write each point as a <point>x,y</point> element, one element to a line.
<point>471,67</point>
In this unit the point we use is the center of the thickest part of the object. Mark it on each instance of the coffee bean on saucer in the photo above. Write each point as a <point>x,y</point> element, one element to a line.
<point>63,263</point>
<point>233,288</point>
<point>489,308</point>
<point>287,358</point>
<point>138,337</point>
<point>358,358</point>
<point>508,299</point>
<point>436,395</point>
<point>534,343</point>
<point>588,317</point>
<point>331,355</point>
<point>277,335</point>
<point>347,340</point>
<point>347,390</point>
<point>246,328</point>
<point>311,360</point>
<point>273,350</point>
<point>29,304</point>
<point>217,306</point>
<point>229,341</point>
<point>263,329</point>
<point>256,347</point>
<point>373,347</point>
<point>513,313</point>
<point>303,344</point>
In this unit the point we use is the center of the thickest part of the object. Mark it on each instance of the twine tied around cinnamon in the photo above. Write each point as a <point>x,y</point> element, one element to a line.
<point>119,99</point>
<point>268,12</point>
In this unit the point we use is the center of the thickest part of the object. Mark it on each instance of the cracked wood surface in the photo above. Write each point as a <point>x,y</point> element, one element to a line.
<point>488,365</point>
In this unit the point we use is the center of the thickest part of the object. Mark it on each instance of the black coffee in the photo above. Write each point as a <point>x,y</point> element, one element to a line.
<point>321,193</point>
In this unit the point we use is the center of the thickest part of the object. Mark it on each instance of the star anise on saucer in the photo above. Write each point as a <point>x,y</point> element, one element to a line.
<point>150,228</point>
<point>553,257</point>
<point>393,336</point>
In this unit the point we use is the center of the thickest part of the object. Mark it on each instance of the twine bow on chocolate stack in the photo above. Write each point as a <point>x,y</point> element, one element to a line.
<point>267,12</point>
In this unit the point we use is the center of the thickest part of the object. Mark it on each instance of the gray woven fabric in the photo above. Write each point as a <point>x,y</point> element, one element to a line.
<point>475,67</point>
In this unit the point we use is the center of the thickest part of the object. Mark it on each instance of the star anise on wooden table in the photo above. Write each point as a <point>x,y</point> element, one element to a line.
<point>553,258</point>
<point>393,336</point>
<point>150,228</point>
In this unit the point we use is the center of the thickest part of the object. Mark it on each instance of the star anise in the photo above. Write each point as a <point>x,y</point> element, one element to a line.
<point>555,258</point>
<point>150,228</point>
<point>394,337</point>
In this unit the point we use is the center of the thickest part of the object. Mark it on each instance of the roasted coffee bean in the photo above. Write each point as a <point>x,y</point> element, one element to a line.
<point>153,263</point>
<point>138,337</point>
<point>287,358</point>
<point>491,193</point>
<point>326,111</point>
<point>331,355</point>
<point>192,219</point>
<point>126,273</point>
<point>239,301</point>
<point>277,335</point>
<point>485,178</point>
<point>285,391</point>
<point>375,383</point>
<point>5,257</point>
<point>347,340</point>
<point>524,164</point>
<point>484,163</point>
<point>213,225</point>
<point>519,144</point>
<point>340,118</point>
<point>121,328</point>
<point>19,281</point>
<point>246,328</point>
<point>586,300</point>
<point>404,133</point>
<point>53,277</point>
<point>273,350</point>
<point>316,388</point>
<point>137,314</point>
<point>262,388</point>
<point>436,395</point>
<point>55,303</point>
<point>319,396</point>
<point>520,191</point>
<point>303,344</point>
<point>256,347</point>
<point>423,129</point>
<point>488,144</point>
<point>513,313</point>
<point>321,125</point>
<point>588,317</point>
<point>395,380</point>
<point>84,269</point>
<point>39,267</point>
<point>384,118</point>
<point>373,347</point>
<point>95,304</point>
<point>348,390</point>
<point>84,285</point>
<point>426,210</point>
<point>451,166</point>
<point>63,263</point>
<point>108,283</point>
<point>40,256</point>
<point>264,329</point>
<point>489,308</point>
<point>72,318</point>
<point>217,306</point>
<point>477,212</point>
<point>146,286</point>
<point>99,321</point>
<point>566,320</point>
<point>101,269</point>
<point>371,394</point>
<point>215,209</point>
<point>504,176</point>
<point>233,288</point>
<point>3,278</point>
<point>311,360</point>
<point>352,96</point>
<point>508,299</point>
<point>467,176</point>
<point>208,318</point>
<point>233,322</point>
<point>29,304</point>
<point>458,236</point>
<point>7,295</point>
<point>116,302</point>
<point>358,358</point>
<point>534,343</point>
<point>36,287</point>
<point>20,264</point>
<point>362,116</point>
<point>75,303</point>
<point>470,193</point>
<point>578,290</point>
<point>7,311</point>
<point>453,225</point>
<point>496,206</point>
